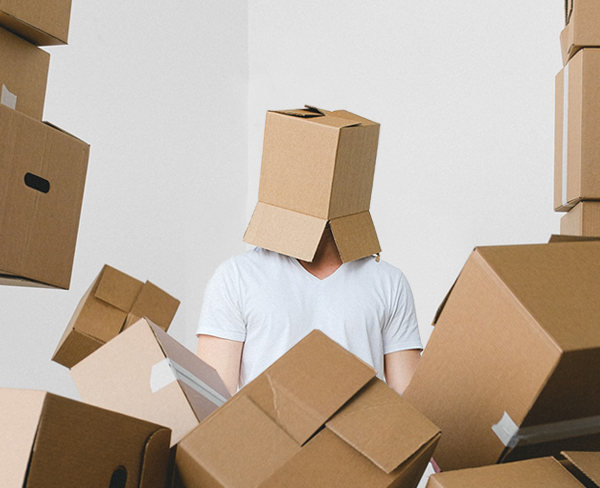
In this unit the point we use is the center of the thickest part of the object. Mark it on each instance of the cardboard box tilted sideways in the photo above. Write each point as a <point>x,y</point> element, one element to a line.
<point>23,75</point>
<point>317,168</point>
<point>146,373</point>
<point>582,18</point>
<point>317,417</point>
<point>42,22</point>
<point>53,442</point>
<point>512,369</point>
<point>573,470</point>
<point>42,177</point>
<point>113,302</point>
<point>577,124</point>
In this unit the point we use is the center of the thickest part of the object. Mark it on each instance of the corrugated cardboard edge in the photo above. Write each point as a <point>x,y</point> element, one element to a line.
<point>587,463</point>
<point>285,231</point>
<point>561,238</point>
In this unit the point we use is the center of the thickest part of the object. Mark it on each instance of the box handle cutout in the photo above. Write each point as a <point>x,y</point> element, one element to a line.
<point>119,478</point>
<point>37,183</point>
<point>568,11</point>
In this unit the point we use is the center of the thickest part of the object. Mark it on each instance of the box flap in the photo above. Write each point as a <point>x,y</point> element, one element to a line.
<point>284,231</point>
<point>587,462</point>
<point>308,384</point>
<point>239,446</point>
<point>382,426</point>
<point>117,288</point>
<point>554,238</point>
<point>155,464</point>
<point>156,304</point>
<point>344,114</point>
<point>541,472</point>
<point>21,411</point>
<point>355,236</point>
<point>306,112</point>
<point>557,284</point>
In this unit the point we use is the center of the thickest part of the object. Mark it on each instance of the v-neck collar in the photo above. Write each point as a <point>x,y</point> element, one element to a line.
<point>316,278</point>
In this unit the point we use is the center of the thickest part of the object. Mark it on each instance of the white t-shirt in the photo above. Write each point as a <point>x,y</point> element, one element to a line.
<point>270,302</point>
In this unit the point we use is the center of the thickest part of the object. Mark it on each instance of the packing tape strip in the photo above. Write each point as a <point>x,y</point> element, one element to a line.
<point>7,98</point>
<point>168,371</point>
<point>565,135</point>
<point>511,435</point>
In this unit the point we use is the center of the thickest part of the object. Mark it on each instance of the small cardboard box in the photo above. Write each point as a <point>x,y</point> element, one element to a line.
<point>41,22</point>
<point>113,302</point>
<point>574,470</point>
<point>23,75</point>
<point>145,373</point>
<point>582,220</point>
<point>317,417</point>
<point>53,442</point>
<point>42,177</point>
<point>577,123</point>
<point>512,369</point>
<point>317,168</point>
<point>582,18</point>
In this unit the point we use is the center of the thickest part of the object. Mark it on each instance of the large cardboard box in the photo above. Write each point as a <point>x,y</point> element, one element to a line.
<point>42,22</point>
<point>574,470</point>
<point>582,220</point>
<point>582,18</point>
<point>317,417</point>
<point>577,123</point>
<point>145,373</point>
<point>23,75</point>
<point>512,368</point>
<point>317,168</point>
<point>53,442</point>
<point>42,177</point>
<point>113,302</point>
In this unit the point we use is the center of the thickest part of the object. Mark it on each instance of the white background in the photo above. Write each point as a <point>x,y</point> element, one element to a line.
<point>172,98</point>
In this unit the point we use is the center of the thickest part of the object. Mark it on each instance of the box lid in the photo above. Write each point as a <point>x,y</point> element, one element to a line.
<point>541,472</point>
<point>382,426</point>
<point>298,235</point>
<point>308,384</point>
<point>587,462</point>
<point>558,284</point>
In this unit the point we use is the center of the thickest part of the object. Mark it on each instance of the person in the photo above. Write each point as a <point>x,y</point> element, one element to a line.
<point>261,303</point>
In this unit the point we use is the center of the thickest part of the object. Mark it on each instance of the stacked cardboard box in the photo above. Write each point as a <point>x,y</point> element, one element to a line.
<point>577,146</point>
<point>42,168</point>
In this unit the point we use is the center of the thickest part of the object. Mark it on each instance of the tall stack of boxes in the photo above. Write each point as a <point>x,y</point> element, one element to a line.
<point>577,141</point>
<point>42,168</point>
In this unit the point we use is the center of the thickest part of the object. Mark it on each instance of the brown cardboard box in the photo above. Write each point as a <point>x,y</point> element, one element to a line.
<point>575,470</point>
<point>581,30</point>
<point>23,75</point>
<point>577,122</point>
<point>113,302</point>
<point>582,220</point>
<point>512,369</point>
<point>42,177</point>
<point>42,22</point>
<point>317,168</point>
<point>316,417</point>
<point>53,442</point>
<point>145,373</point>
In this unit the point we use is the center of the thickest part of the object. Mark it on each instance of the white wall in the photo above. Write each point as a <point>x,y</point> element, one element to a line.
<point>159,90</point>
<point>464,92</point>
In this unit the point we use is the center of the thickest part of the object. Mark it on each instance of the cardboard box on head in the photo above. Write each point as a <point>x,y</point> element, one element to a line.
<point>582,18</point>
<point>41,22</point>
<point>512,369</point>
<point>318,417</point>
<point>317,168</point>
<point>54,442</point>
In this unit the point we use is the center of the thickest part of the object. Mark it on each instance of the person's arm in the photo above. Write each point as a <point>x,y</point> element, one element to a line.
<point>224,356</point>
<point>399,368</point>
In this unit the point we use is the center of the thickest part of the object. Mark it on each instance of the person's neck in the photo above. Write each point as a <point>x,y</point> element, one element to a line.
<point>327,258</point>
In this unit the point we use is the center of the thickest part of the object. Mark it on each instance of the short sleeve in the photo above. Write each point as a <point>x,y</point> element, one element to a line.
<point>221,314</point>
<point>401,332</point>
